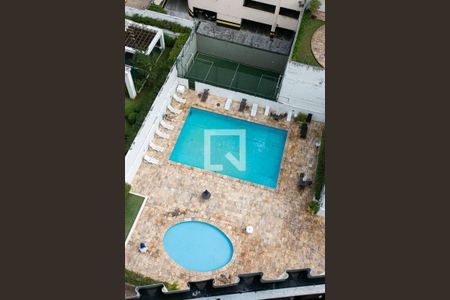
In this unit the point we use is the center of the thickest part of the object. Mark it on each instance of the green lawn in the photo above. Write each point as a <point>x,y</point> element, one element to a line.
<point>302,49</point>
<point>132,206</point>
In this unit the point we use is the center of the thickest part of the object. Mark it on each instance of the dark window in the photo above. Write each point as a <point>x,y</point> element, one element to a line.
<point>259,6</point>
<point>205,14</point>
<point>289,12</point>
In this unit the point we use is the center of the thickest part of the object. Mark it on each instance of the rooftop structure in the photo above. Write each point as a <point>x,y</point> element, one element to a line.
<point>284,234</point>
<point>251,82</point>
<point>246,38</point>
<point>140,37</point>
<point>298,284</point>
<point>274,13</point>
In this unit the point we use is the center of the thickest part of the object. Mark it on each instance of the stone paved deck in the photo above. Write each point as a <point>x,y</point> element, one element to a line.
<point>140,4</point>
<point>285,235</point>
<point>318,45</point>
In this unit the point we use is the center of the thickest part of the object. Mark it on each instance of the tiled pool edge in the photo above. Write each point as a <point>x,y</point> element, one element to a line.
<point>281,167</point>
<point>228,232</point>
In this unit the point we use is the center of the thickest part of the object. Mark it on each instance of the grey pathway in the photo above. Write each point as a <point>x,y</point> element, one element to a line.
<point>178,8</point>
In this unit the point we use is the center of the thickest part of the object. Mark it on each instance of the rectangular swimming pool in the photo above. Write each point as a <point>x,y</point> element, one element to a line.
<point>231,146</point>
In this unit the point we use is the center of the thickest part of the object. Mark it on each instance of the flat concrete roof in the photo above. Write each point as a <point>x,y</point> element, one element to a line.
<point>245,37</point>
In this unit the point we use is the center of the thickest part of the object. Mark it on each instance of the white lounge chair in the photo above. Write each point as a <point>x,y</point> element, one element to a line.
<point>152,160</point>
<point>254,109</point>
<point>289,116</point>
<point>156,147</point>
<point>228,103</point>
<point>166,125</point>
<point>181,89</point>
<point>179,99</point>
<point>161,134</point>
<point>174,110</point>
<point>267,111</point>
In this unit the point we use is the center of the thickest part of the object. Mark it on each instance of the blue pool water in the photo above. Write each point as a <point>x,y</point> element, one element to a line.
<point>264,147</point>
<point>198,246</point>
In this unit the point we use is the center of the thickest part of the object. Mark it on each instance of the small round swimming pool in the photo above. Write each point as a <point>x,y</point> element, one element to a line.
<point>198,246</point>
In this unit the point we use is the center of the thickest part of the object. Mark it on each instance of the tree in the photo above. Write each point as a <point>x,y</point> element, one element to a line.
<point>314,5</point>
<point>143,63</point>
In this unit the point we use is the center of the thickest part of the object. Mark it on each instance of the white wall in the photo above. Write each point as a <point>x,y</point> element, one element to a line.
<point>234,11</point>
<point>321,211</point>
<point>135,154</point>
<point>238,96</point>
<point>139,147</point>
<point>303,87</point>
<point>322,6</point>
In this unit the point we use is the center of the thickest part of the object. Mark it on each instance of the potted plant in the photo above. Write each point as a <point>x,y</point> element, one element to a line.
<point>313,206</point>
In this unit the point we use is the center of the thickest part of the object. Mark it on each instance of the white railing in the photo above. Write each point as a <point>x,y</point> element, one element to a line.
<point>275,106</point>
<point>145,134</point>
<point>303,87</point>
<point>139,147</point>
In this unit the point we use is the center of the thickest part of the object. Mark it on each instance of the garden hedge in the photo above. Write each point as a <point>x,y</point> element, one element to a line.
<point>157,76</point>
<point>320,171</point>
<point>157,8</point>
<point>159,23</point>
<point>127,190</point>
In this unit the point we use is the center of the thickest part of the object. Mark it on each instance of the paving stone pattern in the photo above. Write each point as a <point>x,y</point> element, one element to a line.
<point>285,235</point>
<point>318,45</point>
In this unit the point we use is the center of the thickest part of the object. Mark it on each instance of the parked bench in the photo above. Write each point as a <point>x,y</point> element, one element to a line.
<point>205,95</point>
<point>243,105</point>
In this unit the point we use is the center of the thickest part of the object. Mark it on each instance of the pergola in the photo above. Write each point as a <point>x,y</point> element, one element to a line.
<point>140,37</point>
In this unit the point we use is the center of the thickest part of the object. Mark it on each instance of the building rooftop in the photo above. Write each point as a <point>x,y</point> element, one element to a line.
<point>138,38</point>
<point>298,283</point>
<point>285,234</point>
<point>246,38</point>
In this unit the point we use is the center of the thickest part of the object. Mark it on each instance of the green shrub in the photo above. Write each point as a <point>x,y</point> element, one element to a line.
<point>169,41</point>
<point>131,106</point>
<point>301,117</point>
<point>138,83</point>
<point>129,109</point>
<point>159,23</point>
<point>143,63</point>
<point>313,206</point>
<point>132,118</point>
<point>179,44</point>
<point>320,170</point>
<point>157,8</point>
<point>127,190</point>
<point>137,279</point>
<point>314,6</point>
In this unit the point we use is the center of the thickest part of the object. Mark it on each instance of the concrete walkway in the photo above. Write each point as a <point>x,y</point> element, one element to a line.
<point>178,8</point>
<point>140,4</point>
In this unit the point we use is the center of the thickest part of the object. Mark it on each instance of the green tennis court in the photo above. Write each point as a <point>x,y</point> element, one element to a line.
<point>234,76</point>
